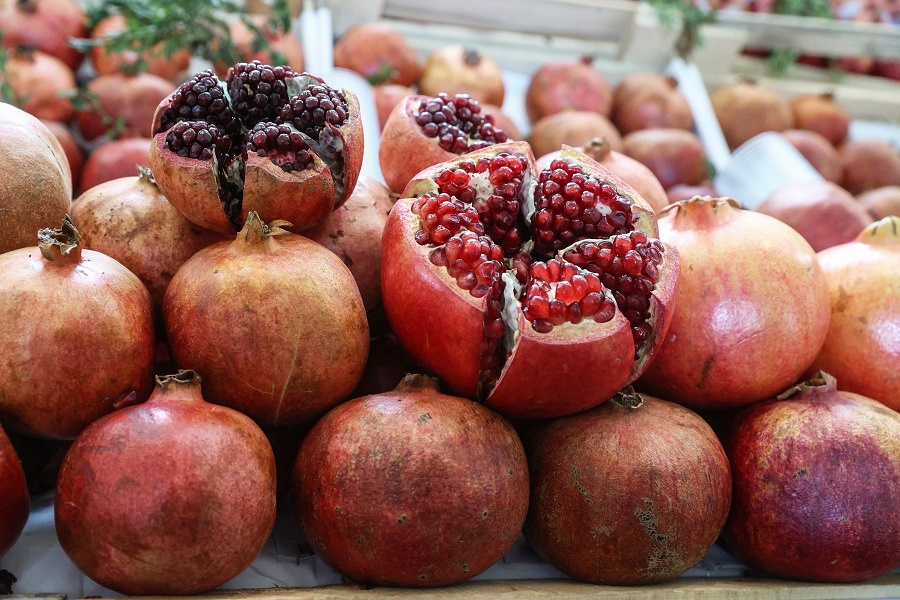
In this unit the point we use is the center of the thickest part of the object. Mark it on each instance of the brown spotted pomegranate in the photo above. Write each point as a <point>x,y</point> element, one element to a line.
<point>15,501</point>
<point>508,284</point>
<point>265,140</point>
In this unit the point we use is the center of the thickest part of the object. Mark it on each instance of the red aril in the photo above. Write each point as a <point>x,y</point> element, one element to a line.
<point>15,502</point>
<point>567,85</point>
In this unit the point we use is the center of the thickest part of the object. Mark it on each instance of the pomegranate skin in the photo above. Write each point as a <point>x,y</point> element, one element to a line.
<point>824,506</point>
<point>387,97</point>
<point>157,63</point>
<point>115,159</point>
<point>881,202</point>
<point>868,164</point>
<point>274,323</point>
<point>862,349</point>
<point>379,53</point>
<point>572,128</point>
<point>649,100</point>
<point>626,495</point>
<point>411,488</point>
<point>85,324</point>
<point>15,502</point>
<point>133,98</point>
<point>45,25</point>
<point>822,114</point>
<point>567,85</point>
<point>74,155</point>
<point>175,496</point>
<point>284,43</point>
<point>673,155</point>
<point>746,109</point>
<point>457,70</point>
<point>735,346</point>
<point>820,153</point>
<point>41,83</point>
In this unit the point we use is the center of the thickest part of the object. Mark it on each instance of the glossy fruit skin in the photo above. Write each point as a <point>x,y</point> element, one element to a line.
<point>567,85</point>
<point>816,486</point>
<point>173,496</point>
<point>411,488</point>
<point>15,502</point>
<point>675,156</point>
<point>115,159</point>
<point>626,496</point>
<point>736,345</point>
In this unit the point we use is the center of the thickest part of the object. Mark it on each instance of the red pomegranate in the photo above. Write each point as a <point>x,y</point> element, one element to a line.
<point>649,100</point>
<point>280,47</point>
<point>35,178</point>
<point>74,155</point>
<point>821,113</point>
<point>457,70</point>
<point>860,65</point>
<point>747,109</point>
<point>563,85</point>
<point>506,283</point>
<point>15,502</point>
<point>572,128</point>
<point>41,84</point>
<point>45,25</point>
<point>115,159</point>
<point>822,212</point>
<point>881,202</point>
<point>617,499</point>
<point>673,155</point>
<point>85,324</point>
<point>816,485</point>
<point>282,144</point>
<point>411,488</point>
<point>175,496</point>
<point>273,322</point>
<point>423,131</point>
<point>820,153</point>
<point>736,345</point>
<point>156,61</point>
<point>379,53</point>
<point>387,97</point>
<point>868,164</point>
<point>681,191</point>
<point>129,220</point>
<point>124,105</point>
<point>862,348</point>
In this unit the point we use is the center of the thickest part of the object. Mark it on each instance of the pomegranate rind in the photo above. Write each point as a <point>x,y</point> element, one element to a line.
<point>662,308</point>
<point>352,135</point>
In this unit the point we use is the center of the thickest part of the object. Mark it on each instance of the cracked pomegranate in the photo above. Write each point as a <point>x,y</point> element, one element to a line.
<point>266,139</point>
<point>507,283</point>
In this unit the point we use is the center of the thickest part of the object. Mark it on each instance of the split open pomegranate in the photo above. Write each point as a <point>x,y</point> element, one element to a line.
<point>266,139</point>
<point>542,294</point>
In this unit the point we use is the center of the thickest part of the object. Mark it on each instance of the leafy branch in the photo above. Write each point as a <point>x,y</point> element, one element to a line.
<point>692,19</point>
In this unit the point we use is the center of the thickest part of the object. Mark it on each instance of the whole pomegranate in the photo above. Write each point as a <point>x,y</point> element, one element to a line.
<point>824,213</point>
<point>455,70</point>
<point>862,348</point>
<point>816,485</point>
<point>81,328</point>
<point>123,107</point>
<point>155,60</point>
<point>542,294</point>
<point>821,113</point>
<point>411,488</point>
<point>387,97</point>
<point>868,164</point>
<point>74,155</point>
<point>273,322</point>
<point>616,498</point>
<point>673,155</point>
<point>736,344</point>
<point>265,140</point>
<point>818,151</point>
<point>747,109</point>
<point>567,85</point>
<point>572,128</point>
<point>649,100</point>
<point>175,496</point>
<point>881,202</point>
<point>681,191</point>
<point>423,131</point>
<point>36,181</point>
<point>115,159</point>
<point>45,25</point>
<point>15,502</point>
<point>42,84</point>
<point>379,53</point>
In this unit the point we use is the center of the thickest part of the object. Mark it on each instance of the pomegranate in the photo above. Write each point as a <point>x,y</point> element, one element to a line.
<point>411,488</point>
<point>129,220</point>
<point>820,153</point>
<point>15,502</point>
<point>115,159</point>
<point>175,496</point>
<point>747,109</point>
<point>124,105</point>
<point>45,25</point>
<point>284,48</point>
<point>681,191</point>
<point>572,128</point>
<point>649,100</point>
<point>273,322</point>
<point>881,202</point>
<point>387,97</point>
<point>868,164</point>
<point>616,498</point>
<point>457,70</point>
<point>156,62</point>
<point>859,65</point>
<point>567,85</point>
<point>74,155</point>
<point>423,131</point>
<point>887,68</point>
<point>266,140</point>
<point>35,178</point>
<point>506,283</point>
<point>353,232</point>
<point>821,113</point>
<point>379,53</point>
<point>629,170</point>
<point>736,345</point>
<point>822,212</point>
<point>82,326</point>
<point>862,348</point>
<point>673,155</point>
<point>816,485</point>
<point>41,83</point>
<point>387,365</point>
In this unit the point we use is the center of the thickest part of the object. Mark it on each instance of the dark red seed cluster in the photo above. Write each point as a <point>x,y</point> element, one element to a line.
<point>283,145</point>
<point>258,91</point>
<point>315,106</point>
<point>457,123</point>
<point>200,98</point>
<point>559,292</point>
<point>197,139</point>
<point>443,217</point>
<point>475,261</point>
<point>628,266</point>
<point>571,205</point>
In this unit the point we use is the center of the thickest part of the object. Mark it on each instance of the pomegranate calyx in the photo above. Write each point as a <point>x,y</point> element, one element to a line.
<point>628,399</point>
<point>414,382</point>
<point>714,203</point>
<point>255,231</point>
<point>145,175</point>
<point>472,56</point>
<point>819,383</point>
<point>184,377</point>
<point>56,244</point>
<point>885,232</point>
<point>597,148</point>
